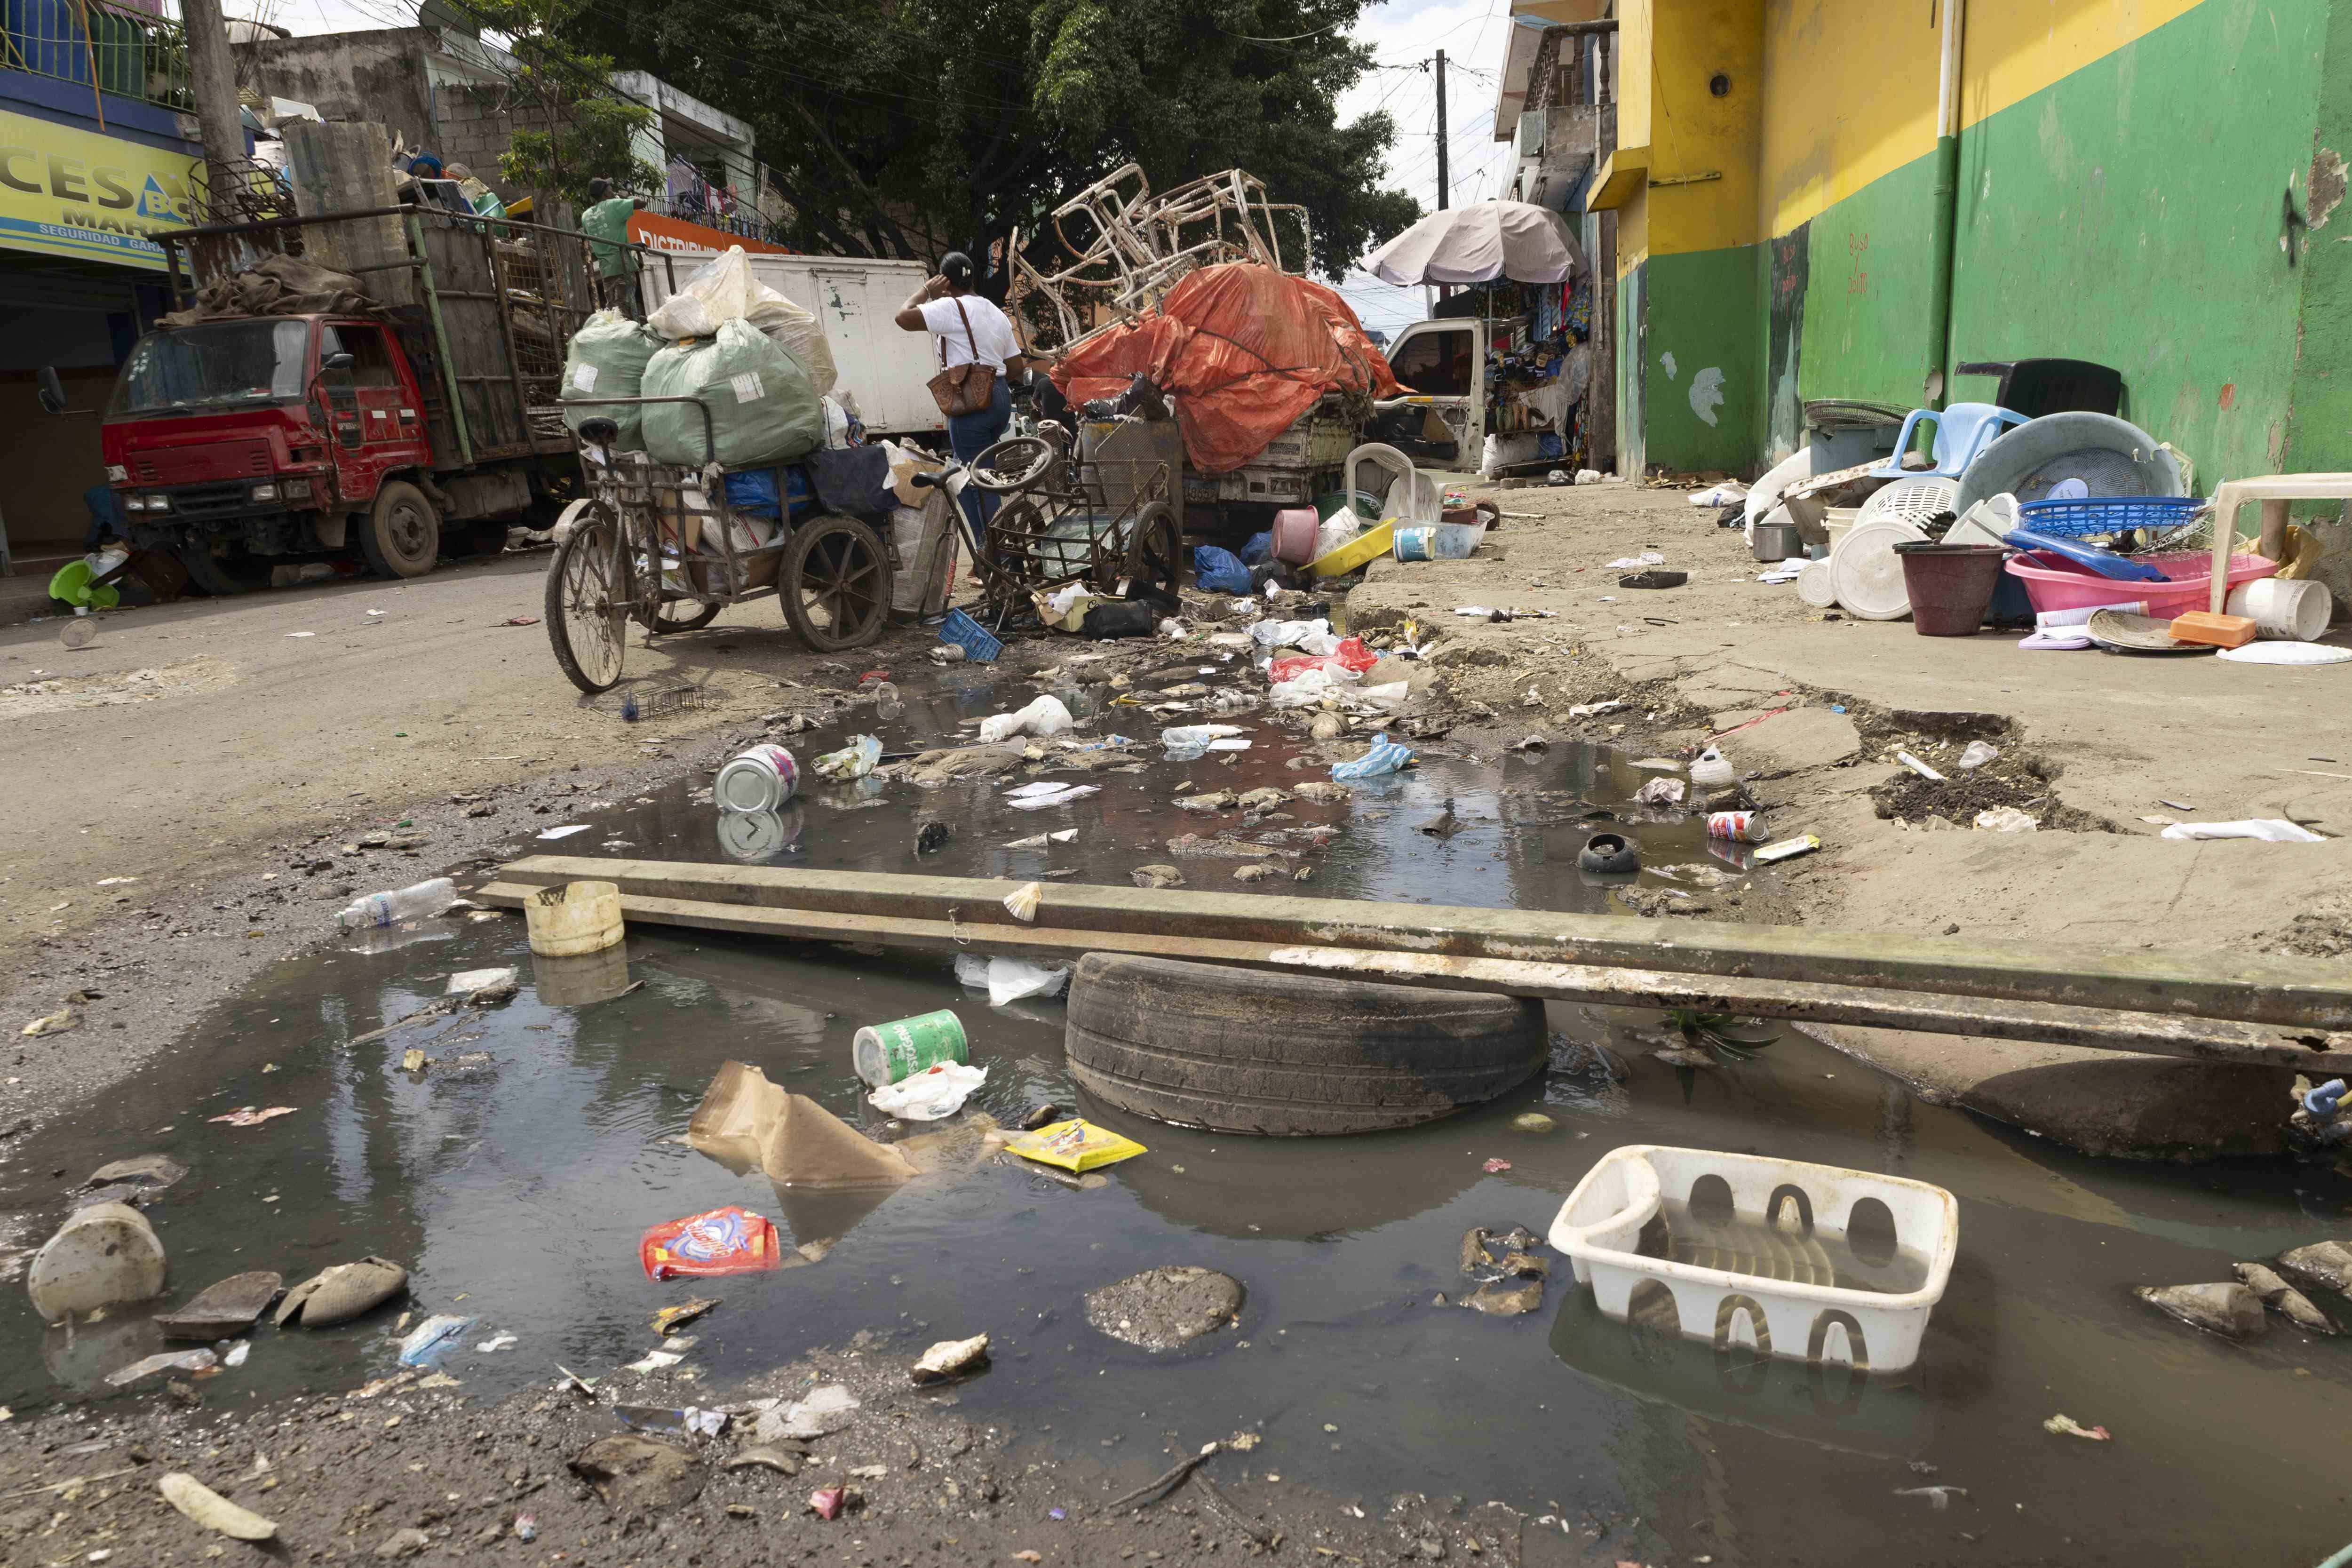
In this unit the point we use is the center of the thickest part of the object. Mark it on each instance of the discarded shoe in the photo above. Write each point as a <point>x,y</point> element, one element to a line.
<point>1609,854</point>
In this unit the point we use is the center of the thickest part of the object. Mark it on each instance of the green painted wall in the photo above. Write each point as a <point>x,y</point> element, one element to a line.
<point>1702,393</point>
<point>2130,215</point>
<point>1633,455</point>
<point>2319,425</point>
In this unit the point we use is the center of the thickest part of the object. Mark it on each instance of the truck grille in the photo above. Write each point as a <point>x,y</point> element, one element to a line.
<point>204,501</point>
<point>185,464</point>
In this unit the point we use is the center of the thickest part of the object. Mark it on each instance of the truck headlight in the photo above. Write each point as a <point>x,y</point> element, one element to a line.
<point>298,489</point>
<point>265,493</point>
<point>159,503</point>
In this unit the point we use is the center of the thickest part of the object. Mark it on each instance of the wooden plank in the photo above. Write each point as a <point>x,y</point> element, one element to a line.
<point>2094,1028</point>
<point>2297,994</point>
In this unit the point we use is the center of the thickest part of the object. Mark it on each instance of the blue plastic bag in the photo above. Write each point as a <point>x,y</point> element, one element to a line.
<point>1259,549</point>
<point>1385,757</point>
<point>754,492</point>
<point>1216,571</point>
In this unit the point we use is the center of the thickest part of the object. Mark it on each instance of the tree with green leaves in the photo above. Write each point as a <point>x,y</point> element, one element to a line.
<point>588,130</point>
<point>906,128</point>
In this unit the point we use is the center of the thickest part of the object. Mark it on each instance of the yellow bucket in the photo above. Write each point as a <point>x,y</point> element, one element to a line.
<point>1369,545</point>
<point>573,918</point>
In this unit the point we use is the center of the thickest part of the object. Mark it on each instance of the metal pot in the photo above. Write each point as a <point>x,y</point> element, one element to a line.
<point>1777,541</point>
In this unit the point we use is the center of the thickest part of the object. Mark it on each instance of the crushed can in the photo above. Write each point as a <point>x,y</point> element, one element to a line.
<point>884,1053</point>
<point>762,779</point>
<point>1739,827</point>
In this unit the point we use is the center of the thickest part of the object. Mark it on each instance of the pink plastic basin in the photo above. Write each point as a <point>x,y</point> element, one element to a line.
<point>2057,584</point>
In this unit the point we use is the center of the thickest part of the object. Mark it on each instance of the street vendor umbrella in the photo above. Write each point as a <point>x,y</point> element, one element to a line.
<point>1480,243</point>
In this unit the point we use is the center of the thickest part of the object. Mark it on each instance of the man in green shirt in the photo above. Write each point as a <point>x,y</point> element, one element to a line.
<point>605,222</point>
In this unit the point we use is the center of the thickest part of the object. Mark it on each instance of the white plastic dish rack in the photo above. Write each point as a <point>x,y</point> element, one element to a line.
<point>1600,1225</point>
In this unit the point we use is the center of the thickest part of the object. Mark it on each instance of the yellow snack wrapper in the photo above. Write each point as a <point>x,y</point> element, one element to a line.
<point>1074,1145</point>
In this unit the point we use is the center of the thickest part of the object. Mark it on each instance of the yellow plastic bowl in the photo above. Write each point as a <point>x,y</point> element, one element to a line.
<point>1367,546</point>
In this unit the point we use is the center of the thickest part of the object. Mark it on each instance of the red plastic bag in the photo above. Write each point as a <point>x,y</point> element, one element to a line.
<point>1351,655</point>
<point>723,1241</point>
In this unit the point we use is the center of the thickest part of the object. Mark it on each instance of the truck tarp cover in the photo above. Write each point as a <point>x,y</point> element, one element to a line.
<point>762,409</point>
<point>279,286</point>
<point>1245,349</point>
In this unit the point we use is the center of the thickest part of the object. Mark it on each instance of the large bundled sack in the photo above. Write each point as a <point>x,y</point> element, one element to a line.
<point>1245,351</point>
<point>724,290</point>
<point>762,408</point>
<point>607,359</point>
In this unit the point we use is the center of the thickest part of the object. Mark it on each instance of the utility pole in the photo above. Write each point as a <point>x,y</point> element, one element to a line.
<point>212,78</point>
<point>1445,183</point>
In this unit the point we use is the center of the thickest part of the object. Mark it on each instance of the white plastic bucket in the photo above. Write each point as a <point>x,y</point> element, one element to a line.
<point>2284,611</point>
<point>1600,1228</point>
<point>573,918</point>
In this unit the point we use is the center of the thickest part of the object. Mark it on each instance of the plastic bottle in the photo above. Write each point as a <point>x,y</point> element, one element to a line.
<point>888,703</point>
<point>391,907</point>
<point>1711,770</point>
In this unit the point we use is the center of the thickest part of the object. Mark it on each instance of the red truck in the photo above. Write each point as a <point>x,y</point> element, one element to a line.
<point>241,442</point>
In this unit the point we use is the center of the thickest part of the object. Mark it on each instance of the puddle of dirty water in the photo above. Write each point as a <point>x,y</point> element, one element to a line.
<point>517,1189</point>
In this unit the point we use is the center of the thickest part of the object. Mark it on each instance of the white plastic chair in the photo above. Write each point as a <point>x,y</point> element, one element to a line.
<point>1413,496</point>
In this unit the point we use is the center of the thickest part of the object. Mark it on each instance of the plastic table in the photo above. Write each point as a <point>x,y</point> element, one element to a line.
<point>2274,491</point>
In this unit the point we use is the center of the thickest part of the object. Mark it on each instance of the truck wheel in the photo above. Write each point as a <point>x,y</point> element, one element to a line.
<point>402,537</point>
<point>221,575</point>
<point>1246,1050</point>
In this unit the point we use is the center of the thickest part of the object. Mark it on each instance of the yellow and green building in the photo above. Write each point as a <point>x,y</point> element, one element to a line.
<point>2151,184</point>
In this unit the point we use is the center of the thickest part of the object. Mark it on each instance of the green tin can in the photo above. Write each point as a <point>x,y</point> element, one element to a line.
<point>885,1054</point>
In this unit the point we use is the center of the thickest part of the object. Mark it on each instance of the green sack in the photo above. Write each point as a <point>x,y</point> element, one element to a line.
<point>608,358</point>
<point>762,409</point>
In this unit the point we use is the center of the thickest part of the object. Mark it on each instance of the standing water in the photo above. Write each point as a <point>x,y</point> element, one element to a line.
<point>520,1166</point>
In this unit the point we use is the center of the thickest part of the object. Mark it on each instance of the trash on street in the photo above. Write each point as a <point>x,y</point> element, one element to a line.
<point>728,1240</point>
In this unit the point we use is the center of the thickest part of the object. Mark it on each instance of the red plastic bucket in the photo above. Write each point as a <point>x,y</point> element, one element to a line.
<point>1951,586</point>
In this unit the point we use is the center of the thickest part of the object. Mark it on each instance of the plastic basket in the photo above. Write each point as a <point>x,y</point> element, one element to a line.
<point>2106,514</point>
<point>1600,1228</point>
<point>980,646</point>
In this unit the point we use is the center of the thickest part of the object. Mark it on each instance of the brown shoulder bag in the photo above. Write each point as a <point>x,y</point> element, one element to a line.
<point>964,388</point>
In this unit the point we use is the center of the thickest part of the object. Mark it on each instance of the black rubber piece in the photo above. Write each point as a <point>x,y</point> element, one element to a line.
<point>1245,1050</point>
<point>1609,854</point>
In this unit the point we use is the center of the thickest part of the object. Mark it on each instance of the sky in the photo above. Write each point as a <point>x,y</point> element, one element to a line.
<point>1404,34</point>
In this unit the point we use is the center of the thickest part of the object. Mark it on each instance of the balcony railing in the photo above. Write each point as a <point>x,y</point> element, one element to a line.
<point>114,47</point>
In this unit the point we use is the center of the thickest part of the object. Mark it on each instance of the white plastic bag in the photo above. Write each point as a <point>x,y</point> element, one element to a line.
<point>724,290</point>
<point>1310,686</point>
<point>1045,716</point>
<point>2271,830</point>
<point>836,424</point>
<point>1010,979</point>
<point>930,1094</point>
<point>854,761</point>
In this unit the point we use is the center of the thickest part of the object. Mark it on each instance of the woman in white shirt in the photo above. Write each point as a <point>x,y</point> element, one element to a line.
<point>969,330</point>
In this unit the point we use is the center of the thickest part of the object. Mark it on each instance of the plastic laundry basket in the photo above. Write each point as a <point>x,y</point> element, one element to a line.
<point>1600,1225</point>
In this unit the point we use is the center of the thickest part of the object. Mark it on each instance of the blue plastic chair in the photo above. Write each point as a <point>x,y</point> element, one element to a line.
<point>1962,431</point>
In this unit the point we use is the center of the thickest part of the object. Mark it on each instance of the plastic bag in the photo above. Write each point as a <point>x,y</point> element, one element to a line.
<point>934,1092</point>
<point>840,430</point>
<point>1045,716</point>
<point>722,1241</point>
<point>1385,757</point>
<point>1259,549</point>
<point>762,409</point>
<point>1310,686</point>
<point>1313,637</point>
<point>724,290</point>
<point>854,761</point>
<point>1010,979</point>
<point>1074,1146</point>
<point>607,359</point>
<point>1186,737</point>
<point>1216,571</point>
<point>1351,655</point>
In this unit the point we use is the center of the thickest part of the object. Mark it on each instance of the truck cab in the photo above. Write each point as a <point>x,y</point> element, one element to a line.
<point>246,443</point>
<point>1443,363</point>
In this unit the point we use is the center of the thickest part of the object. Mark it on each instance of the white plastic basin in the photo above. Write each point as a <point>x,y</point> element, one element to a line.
<point>1793,1317</point>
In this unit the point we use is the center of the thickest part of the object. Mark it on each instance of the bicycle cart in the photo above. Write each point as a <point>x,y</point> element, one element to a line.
<point>1061,520</point>
<point>667,546</point>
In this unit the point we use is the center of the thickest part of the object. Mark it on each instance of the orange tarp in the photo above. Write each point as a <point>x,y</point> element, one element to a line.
<point>1245,351</point>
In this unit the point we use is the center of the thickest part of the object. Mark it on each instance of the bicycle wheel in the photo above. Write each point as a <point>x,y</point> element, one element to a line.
<point>1014,464</point>
<point>586,601</point>
<point>1156,554</point>
<point>834,581</point>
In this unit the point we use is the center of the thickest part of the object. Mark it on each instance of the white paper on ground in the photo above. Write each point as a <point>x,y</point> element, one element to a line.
<point>566,832</point>
<point>2270,830</point>
<point>1068,794</point>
